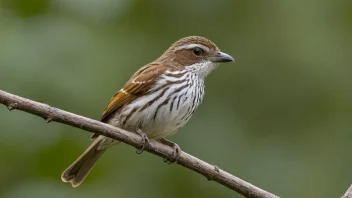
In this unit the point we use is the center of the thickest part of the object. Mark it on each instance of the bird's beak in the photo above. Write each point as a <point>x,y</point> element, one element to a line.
<point>221,57</point>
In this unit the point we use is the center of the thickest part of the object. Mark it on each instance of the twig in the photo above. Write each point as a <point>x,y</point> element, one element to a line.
<point>348,193</point>
<point>52,114</point>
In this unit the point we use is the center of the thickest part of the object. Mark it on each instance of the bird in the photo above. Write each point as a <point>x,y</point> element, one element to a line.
<point>156,101</point>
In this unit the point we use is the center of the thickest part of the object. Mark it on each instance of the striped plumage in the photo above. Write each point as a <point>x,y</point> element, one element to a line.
<point>158,99</point>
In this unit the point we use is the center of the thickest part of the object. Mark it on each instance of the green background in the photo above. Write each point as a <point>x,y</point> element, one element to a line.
<point>280,117</point>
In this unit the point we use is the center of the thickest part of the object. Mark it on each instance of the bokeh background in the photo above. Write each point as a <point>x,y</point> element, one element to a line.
<point>280,117</point>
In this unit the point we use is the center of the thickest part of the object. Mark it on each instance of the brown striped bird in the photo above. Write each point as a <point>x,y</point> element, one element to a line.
<point>157,100</point>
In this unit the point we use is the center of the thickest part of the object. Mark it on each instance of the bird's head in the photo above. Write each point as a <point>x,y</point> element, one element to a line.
<point>196,54</point>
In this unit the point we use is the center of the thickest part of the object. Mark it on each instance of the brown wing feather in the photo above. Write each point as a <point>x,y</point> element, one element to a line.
<point>119,99</point>
<point>138,84</point>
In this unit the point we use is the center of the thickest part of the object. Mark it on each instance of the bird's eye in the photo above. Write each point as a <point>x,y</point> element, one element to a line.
<point>197,51</point>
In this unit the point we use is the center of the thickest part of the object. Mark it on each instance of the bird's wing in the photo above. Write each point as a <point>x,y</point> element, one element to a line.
<point>138,85</point>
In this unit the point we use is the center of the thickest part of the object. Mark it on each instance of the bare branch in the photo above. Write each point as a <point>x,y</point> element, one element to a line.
<point>348,193</point>
<point>52,114</point>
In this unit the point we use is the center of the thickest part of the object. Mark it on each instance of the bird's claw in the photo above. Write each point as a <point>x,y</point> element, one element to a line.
<point>175,156</point>
<point>145,140</point>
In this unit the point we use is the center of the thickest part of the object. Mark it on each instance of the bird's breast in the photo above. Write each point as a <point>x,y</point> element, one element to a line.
<point>166,107</point>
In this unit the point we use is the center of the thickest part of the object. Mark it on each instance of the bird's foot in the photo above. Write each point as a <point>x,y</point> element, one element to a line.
<point>176,151</point>
<point>145,140</point>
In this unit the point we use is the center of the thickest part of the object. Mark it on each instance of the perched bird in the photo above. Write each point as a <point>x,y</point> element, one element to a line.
<point>157,100</point>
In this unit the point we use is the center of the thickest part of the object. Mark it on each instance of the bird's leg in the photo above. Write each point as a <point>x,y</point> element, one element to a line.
<point>145,140</point>
<point>176,152</point>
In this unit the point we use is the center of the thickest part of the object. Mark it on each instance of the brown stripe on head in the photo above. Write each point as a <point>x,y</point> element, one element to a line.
<point>194,40</point>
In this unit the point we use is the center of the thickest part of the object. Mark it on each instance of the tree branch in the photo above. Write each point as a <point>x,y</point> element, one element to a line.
<point>348,193</point>
<point>186,160</point>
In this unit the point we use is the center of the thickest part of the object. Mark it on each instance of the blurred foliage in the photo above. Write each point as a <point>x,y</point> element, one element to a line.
<point>280,117</point>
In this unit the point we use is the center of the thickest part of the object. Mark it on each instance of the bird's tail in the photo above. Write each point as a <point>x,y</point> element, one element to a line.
<point>77,172</point>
